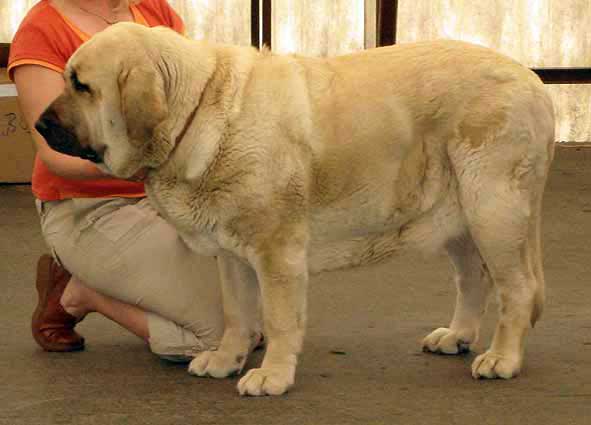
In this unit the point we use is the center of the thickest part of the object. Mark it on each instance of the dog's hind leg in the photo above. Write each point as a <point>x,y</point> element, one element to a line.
<point>473,287</point>
<point>507,256</point>
<point>500,194</point>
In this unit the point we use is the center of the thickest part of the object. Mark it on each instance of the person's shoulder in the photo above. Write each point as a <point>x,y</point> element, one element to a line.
<point>38,17</point>
<point>40,21</point>
<point>160,7</point>
<point>159,12</point>
<point>40,37</point>
<point>41,9</point>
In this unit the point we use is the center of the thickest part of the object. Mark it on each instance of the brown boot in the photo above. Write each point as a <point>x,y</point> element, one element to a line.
<point>52,326</point>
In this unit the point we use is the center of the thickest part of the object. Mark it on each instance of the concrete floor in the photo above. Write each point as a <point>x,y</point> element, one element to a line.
<point>362,362</point>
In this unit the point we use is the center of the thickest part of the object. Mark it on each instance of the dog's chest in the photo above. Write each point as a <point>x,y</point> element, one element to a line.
<point>176,204</point>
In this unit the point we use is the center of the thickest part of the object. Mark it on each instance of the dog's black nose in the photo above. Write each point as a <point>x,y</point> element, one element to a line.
<point>41,126</point>
<point>90,155</point>
<point>63,139</point>
<point>58,137</point>
<point>46,122</point>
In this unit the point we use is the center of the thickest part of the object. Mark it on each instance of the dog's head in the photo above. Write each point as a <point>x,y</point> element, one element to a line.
<point>114,108</point>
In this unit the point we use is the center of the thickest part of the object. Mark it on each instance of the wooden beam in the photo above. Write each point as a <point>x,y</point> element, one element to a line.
<point>386,22</point>
<point>564,75</point>
<point>255,23</point>
<point>267,22</point>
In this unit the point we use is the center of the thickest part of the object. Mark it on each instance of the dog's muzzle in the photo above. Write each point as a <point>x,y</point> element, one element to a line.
<point>62,140</point>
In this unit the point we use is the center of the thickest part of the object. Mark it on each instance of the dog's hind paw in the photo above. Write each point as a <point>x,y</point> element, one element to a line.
<point>216,364</point>
<point>267,381</point>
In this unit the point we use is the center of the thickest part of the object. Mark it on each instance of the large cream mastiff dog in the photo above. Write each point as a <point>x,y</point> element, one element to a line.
<point>284,166</point>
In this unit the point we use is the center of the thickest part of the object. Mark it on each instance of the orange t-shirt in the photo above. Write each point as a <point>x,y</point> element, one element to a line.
<point>48,38</point>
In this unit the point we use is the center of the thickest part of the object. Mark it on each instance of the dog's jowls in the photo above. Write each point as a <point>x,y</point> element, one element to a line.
<point>284,166</point>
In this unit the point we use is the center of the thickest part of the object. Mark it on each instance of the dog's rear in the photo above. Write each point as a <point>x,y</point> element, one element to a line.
<point>442,144</point>
<point>500,152</point>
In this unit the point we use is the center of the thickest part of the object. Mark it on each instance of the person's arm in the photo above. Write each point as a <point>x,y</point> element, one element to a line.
<point>37,87</point>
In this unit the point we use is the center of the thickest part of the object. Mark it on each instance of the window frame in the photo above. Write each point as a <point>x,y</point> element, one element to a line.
<point>387,25</point>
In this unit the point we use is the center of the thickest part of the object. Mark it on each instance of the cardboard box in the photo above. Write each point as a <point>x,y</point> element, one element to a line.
<point>16,144</point>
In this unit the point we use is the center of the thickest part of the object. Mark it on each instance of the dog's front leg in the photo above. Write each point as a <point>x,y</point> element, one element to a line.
<point>240,294</point>
<point>283,279</point>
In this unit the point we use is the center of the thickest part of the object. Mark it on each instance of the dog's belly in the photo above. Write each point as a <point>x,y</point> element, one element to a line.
<point>358,216</point>
<point>361,228</point>
<point>352,252</point>
<point>336,247</point>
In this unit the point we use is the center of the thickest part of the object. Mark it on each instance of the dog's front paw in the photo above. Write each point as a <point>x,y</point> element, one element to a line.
<point>217,364</point>
<point>267,381</point>
<point>447,341</point>
<point>492,365</point>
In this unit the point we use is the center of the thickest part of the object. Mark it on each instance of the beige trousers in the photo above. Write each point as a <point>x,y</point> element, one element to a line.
<point>121,248</point>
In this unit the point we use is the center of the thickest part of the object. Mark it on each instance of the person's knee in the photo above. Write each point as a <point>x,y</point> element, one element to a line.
<point>176,343</point>
<point>174,358</point>
<point>176,354</point>
<point>181,354</point>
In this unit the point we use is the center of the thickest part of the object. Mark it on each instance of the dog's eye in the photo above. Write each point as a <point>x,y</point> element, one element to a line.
<point>82,87</point>
<point>78,86</point>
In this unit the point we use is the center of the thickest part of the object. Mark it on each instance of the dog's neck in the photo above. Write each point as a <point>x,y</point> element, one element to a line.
<point>185,79</point>
<point>212,99</point>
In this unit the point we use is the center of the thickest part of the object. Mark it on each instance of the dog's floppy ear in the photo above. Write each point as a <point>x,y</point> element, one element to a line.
<point>143,102</point>
<point>145,110</point>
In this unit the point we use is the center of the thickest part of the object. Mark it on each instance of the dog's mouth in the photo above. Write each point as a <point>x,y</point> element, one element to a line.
<point>140,175</point>
<point>63,140</point>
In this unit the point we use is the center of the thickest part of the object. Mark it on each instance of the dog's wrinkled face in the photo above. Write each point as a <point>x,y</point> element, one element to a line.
<point>69,124</point>
<point>113,109</point>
